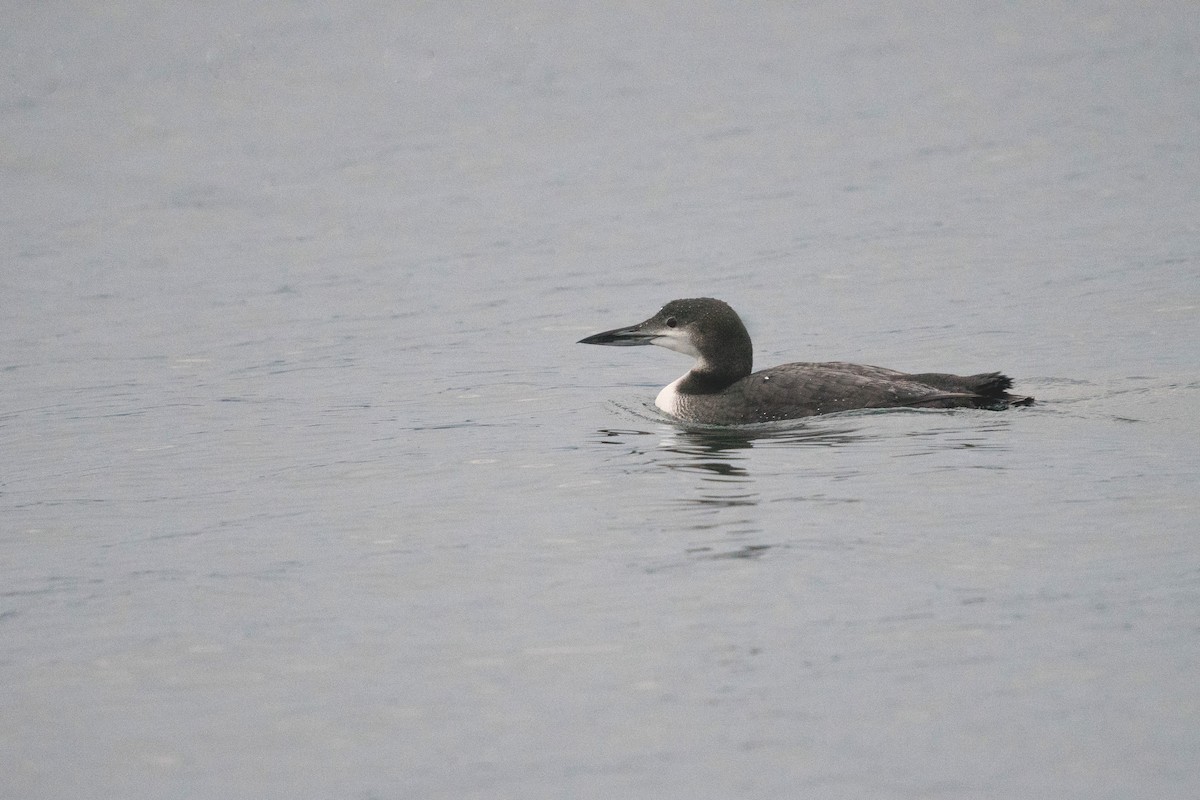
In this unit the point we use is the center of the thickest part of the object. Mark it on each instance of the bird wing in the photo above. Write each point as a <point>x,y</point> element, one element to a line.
<point>805,389</point>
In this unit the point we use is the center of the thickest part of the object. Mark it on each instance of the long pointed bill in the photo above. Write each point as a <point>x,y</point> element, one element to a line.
<point>621,337</point>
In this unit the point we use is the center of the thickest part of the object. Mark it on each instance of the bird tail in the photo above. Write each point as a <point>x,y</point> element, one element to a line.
<point>990,388</point>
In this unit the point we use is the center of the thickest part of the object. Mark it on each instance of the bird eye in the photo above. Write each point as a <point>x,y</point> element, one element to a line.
<point>671,322</point>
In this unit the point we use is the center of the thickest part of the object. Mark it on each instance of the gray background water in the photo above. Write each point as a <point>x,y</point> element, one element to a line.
<point>307,490</point>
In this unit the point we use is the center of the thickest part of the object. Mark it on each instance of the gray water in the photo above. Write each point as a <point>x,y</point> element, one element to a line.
<point>309,492</point>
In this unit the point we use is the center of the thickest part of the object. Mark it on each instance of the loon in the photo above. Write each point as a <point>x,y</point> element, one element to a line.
<point>721,389</point>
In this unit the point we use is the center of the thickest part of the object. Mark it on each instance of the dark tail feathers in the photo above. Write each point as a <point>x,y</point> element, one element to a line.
<point>987,385</point>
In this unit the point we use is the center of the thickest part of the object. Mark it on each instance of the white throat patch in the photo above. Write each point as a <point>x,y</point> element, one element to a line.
<point>677,340</point>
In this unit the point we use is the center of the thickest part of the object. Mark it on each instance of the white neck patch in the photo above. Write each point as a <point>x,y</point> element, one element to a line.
<point>668,398</point>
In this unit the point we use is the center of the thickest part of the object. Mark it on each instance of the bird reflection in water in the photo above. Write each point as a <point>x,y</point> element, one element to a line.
<point>725,493</point>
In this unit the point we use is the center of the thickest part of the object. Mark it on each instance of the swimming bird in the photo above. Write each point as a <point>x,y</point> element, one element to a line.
<point>721,389</point>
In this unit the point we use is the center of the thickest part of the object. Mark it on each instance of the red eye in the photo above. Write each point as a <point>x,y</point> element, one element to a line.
<point>671,323</point>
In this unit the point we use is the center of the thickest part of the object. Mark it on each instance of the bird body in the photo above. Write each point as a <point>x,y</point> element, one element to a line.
<point>721,389</point>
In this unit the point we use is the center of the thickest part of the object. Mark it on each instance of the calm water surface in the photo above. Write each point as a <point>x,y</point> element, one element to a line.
<point>309,492</point>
